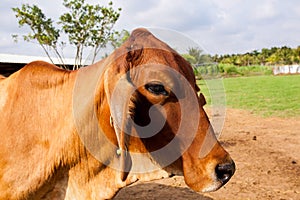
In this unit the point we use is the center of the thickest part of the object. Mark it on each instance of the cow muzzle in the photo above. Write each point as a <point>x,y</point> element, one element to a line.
<point>210,173</point>
<point>225,171</point>
<point>221,175</point>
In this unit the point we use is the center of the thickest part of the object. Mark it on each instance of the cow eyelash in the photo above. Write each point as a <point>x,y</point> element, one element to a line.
<point>157,89</point>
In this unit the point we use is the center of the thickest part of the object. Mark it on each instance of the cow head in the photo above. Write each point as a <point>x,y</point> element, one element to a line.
<point>157,116</point>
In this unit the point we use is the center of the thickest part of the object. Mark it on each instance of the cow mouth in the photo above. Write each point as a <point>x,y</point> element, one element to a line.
<point>217,185</point>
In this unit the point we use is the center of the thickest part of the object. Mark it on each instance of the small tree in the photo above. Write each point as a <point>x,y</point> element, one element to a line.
<point>199,57</point>
<point>42,28</point>
<point>88,25</point>
<point>85,25</point>
<point>119,38</point>
<point>191,59</point>
<point>199,61</point>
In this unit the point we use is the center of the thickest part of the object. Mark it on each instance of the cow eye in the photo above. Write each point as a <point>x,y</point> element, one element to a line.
<point>156,88</point>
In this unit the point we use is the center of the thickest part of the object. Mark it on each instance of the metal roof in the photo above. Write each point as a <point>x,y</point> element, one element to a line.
<point>23,59</point>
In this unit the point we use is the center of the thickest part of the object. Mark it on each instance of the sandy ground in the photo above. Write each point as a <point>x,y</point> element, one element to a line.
<point>267,155</point>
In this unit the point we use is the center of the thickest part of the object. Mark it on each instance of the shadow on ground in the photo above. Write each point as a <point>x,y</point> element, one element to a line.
<point>154,191</point>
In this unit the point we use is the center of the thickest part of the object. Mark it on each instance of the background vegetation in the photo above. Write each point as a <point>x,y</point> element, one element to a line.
<point>248,64</point>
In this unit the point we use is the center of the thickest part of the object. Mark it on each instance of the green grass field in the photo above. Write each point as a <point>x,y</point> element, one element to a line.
<point>263,95</point>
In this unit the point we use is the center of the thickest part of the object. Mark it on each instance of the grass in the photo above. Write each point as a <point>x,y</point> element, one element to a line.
<point>263,95</point>
<point>229,70</point>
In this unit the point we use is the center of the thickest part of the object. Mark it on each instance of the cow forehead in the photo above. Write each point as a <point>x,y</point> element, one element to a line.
<point>164,65</point>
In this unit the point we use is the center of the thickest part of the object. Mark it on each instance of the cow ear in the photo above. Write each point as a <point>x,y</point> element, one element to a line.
<point>133,56</point>
<point>134,53</point>
<point>118,91</point>
<point>118,95</point>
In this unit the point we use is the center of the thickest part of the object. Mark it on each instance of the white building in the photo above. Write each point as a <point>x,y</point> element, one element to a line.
<point>10,63</point>
<point>286,69</point>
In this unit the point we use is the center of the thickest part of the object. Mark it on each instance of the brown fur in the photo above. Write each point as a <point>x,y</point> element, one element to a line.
<point>41,153</point>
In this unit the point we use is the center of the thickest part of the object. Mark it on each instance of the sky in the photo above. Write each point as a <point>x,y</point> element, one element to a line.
<point>217,26</point>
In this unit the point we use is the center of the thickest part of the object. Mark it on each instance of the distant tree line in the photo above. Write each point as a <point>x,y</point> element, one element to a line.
<point>247,64</point>
<point>273,56</point>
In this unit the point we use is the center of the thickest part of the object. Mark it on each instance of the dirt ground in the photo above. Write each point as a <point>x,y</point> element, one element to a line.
<point>267,156</point>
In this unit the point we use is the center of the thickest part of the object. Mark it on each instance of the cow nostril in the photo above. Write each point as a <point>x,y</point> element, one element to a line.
<point>225,171</point>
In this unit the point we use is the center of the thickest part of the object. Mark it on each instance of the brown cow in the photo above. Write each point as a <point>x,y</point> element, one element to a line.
<point>85,134</point>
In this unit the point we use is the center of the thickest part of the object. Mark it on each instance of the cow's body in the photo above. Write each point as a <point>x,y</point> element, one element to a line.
<point>41,152</point>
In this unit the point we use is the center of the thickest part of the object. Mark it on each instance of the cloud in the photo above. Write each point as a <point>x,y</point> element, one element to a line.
<point>248,25</point>
<point>182,15</point>
<point>231,26</point>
